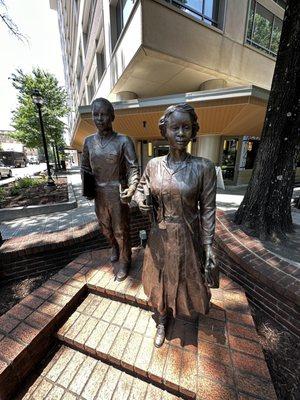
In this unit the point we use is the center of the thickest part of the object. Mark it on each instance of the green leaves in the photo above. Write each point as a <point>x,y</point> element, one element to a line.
<point>25,116</point>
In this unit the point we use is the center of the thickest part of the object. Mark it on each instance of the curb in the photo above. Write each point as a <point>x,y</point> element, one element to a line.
<point>9,214</point>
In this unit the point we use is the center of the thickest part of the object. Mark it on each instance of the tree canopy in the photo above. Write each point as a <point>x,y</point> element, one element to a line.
<point>25,118</point>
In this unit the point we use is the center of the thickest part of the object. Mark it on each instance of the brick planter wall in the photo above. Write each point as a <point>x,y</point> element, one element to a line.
<point>30,255</point>
<point>270,282</point>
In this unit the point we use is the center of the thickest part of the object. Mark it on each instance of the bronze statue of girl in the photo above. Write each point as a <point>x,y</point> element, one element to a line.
<point>179,263</point>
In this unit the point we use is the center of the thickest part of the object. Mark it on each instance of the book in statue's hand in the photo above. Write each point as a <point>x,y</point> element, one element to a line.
<point>88,185</point>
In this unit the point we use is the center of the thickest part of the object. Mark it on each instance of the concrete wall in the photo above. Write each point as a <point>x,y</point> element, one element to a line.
<point>223,55</point>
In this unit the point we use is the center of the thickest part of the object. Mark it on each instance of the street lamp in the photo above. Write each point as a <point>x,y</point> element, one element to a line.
<point>39,101</point>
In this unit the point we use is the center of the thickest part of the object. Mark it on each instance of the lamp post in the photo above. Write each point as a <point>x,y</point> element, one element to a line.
<point>54,154</point>
<point>39,101</point>
<point>57,156</point>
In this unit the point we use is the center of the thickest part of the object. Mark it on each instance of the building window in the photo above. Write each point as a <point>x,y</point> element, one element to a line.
<point>93,86</point>
<point>123,11</point>
<point>91,17</point>
<point>281,3</point>
<point>100,64</point>
<point>207,11</point>
<point>79,69</point>
<point>264,29</point>
<point>119,15</point>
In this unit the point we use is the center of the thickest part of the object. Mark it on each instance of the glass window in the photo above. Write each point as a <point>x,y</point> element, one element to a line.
<point>197,5</point>
<point>264,29</point>
<point>123,9</point>
<point>281,3</point>
<point>100,64</point>
<point>204,10</point>
<point>277,27</point>
<point>211,10</point>
<point>127,7</point>
<point>250,19</point>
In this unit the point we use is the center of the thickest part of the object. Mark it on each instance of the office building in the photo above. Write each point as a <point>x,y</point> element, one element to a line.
<point>143,55</point>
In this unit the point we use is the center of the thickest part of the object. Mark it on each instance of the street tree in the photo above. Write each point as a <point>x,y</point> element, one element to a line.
<point>25,117</point>
<point>266,207</point>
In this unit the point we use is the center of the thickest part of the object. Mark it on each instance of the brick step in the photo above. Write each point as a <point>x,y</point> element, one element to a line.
<point>71,375</point>
<point>101,279</point>
<point>123,334</point>
<point>218,358</point>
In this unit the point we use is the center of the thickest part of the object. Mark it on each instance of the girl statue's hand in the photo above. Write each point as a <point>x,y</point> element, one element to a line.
<point>210,267</point>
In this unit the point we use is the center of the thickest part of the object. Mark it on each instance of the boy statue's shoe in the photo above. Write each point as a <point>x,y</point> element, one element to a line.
<point>123,272</point>
<point>114,255</point>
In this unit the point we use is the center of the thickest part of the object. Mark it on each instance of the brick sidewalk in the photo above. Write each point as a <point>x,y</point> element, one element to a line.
<point>107,341</point>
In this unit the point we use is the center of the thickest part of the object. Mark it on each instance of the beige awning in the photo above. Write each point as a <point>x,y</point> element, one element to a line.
<point>229,111</point>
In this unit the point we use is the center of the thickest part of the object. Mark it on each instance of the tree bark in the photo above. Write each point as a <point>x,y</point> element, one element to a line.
<point>266,207</point>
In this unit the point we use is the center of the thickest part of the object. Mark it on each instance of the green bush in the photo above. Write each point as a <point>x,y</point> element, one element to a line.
<point>2,193</point>
<point>24,183</point>
<point>15,191</point>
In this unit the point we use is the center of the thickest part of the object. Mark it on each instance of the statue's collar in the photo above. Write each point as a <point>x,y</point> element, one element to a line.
<point>178,166</point>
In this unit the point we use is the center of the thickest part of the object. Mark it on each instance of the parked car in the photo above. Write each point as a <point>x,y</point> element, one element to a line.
<point>33,159</point>
<point>5,171</point>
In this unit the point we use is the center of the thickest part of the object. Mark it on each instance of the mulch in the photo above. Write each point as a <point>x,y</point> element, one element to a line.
<point>36,195</point>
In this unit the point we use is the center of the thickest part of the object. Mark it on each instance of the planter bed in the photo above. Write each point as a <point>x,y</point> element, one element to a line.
<point>38,200</point>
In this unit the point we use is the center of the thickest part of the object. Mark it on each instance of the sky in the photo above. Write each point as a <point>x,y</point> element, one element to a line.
<point>39,23</point>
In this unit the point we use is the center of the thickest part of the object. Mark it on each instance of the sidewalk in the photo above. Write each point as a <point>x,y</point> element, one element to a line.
<point>228,199</point>
<point>81,215</point>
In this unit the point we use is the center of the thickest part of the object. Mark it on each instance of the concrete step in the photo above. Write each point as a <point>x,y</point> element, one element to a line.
<point>122,335</point>
<point>72,375</point>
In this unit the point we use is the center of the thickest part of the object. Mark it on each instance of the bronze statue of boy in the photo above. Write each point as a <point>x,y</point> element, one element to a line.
<point>109,157</point>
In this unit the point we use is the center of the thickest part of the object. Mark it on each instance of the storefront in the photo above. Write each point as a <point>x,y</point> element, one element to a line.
<point>237,158</point>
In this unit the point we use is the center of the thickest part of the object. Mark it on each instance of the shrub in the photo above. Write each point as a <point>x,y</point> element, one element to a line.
<point>24,183</point>
<point>2,194</point>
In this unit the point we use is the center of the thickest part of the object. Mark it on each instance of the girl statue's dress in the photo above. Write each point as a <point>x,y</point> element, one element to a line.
<point>184,200</point>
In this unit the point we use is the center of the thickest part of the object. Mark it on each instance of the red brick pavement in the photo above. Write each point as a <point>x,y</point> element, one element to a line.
<point>73,375</point>
<point>110,328</point>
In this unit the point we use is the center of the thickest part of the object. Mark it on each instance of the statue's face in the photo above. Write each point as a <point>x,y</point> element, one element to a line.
<point>179,130</point>
<point>102,118</point>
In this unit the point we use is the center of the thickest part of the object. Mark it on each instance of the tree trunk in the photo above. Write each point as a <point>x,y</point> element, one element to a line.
<point>266,207</point>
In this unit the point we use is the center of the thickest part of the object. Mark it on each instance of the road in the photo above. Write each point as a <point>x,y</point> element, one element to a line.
<point>20,172</point>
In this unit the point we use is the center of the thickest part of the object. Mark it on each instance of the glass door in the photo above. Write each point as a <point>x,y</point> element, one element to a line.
<point>228,159</point>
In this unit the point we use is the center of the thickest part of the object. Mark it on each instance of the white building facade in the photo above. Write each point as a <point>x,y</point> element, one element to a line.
<point>144,55</point>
